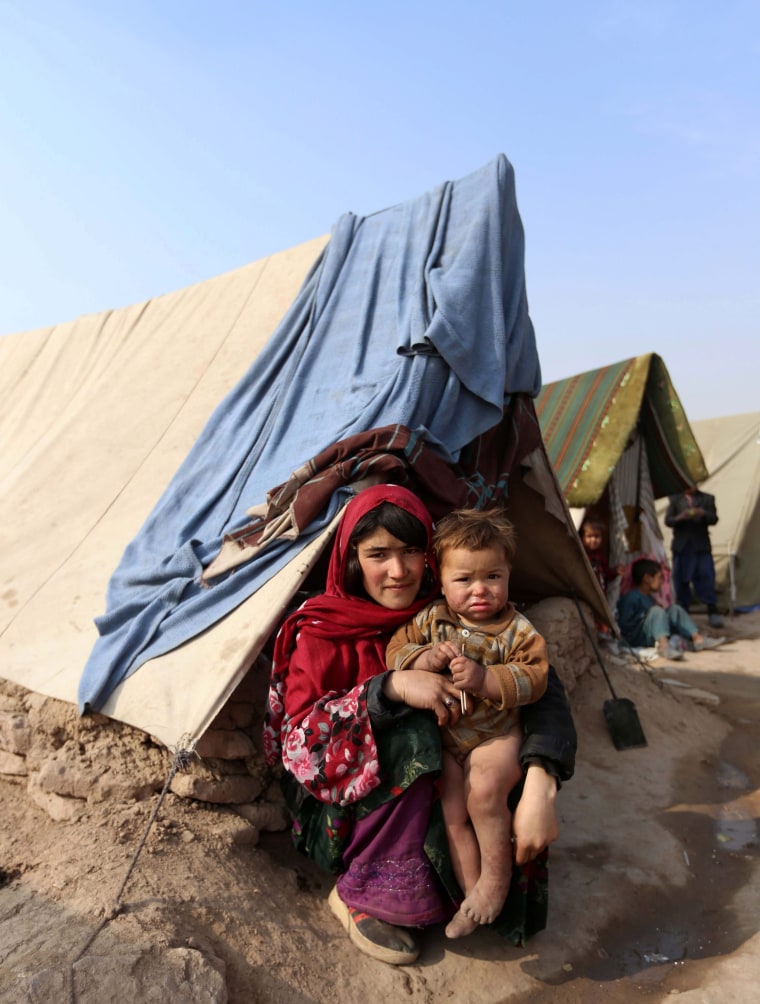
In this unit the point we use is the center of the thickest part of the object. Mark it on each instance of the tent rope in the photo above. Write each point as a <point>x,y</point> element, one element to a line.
<point>182,755</point>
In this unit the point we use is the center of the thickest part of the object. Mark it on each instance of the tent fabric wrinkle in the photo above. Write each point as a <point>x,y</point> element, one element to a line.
<point>442,272</point>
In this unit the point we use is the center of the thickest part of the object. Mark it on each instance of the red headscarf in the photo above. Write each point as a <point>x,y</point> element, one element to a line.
<point>323,655</point>
<point>359,616</point>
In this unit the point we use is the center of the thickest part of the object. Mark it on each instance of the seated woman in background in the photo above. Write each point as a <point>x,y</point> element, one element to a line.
<point>361,746</point>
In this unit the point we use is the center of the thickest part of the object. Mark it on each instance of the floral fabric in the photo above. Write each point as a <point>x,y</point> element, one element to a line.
<point>317,722</point>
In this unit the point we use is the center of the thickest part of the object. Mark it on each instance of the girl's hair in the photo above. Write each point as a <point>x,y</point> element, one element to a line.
<point>594,524</point>
<point>400,524</point>
<point>475,529</point>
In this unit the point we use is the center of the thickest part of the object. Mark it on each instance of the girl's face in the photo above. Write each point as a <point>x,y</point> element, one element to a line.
<point>391,570</point>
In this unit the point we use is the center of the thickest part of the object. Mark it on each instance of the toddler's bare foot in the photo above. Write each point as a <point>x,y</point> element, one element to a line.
<point>484,902</point>
<point>460,925</point>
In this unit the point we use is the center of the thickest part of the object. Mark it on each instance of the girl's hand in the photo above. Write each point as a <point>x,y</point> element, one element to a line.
<point>420,689</point>
<point>535,821</point>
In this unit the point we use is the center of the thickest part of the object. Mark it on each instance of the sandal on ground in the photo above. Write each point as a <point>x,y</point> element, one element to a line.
<point>374,937</point>
<point>702,646</point>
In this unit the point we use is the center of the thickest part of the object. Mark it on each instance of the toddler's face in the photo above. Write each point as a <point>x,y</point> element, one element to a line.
<point>476,583</point>
<point>592,538</point>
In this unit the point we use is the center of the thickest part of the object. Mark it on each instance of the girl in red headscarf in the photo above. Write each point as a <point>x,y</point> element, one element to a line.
<point>361,748</point>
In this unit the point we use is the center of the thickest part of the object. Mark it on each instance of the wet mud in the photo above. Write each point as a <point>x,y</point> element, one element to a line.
<point>667,938</point>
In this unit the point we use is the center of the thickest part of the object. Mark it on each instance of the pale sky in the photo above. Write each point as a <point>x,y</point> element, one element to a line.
<point>150,145</point>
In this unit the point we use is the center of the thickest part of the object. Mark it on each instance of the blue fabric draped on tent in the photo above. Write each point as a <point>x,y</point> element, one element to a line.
<point>415,315</point>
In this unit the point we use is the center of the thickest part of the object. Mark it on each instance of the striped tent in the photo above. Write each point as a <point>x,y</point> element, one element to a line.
<point>588,421</point>
<point>618,439</point>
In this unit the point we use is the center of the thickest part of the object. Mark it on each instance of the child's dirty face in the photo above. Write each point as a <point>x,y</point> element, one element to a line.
<point>592,538</point>
<point>476,583</point>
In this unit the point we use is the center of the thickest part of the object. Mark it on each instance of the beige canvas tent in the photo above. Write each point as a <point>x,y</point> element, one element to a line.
<point>97,414</point>
<point>731,448</point>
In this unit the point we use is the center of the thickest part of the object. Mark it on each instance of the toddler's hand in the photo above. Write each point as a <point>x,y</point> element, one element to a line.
<point>467,674</point>
<point>437,658</point>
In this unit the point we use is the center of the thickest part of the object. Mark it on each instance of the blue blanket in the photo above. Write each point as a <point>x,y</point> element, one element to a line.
<point>416,315</point>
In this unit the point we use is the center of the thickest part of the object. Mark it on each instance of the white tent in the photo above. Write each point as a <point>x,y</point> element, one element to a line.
<point>731,448</point>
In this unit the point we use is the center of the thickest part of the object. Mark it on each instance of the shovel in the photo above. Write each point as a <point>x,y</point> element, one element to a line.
<point>619,713</point>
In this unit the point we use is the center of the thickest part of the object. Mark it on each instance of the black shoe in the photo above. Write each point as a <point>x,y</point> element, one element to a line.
<point>374,937</point>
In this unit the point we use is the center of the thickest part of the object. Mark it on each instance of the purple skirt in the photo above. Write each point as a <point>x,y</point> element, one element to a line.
<point>389,875</point>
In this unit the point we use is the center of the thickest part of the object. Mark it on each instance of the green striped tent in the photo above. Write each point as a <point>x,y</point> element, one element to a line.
<point>588,421</point>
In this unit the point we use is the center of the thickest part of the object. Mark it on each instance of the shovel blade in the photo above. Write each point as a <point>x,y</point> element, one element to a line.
<point>624,725</point>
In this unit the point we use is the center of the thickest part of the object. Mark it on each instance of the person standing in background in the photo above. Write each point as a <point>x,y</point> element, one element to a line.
<point>689,515</point>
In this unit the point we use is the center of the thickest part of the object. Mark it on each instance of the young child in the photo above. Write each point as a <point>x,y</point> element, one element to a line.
<point>592,535</point>
<point>643,623</point>
<point>498,661</point>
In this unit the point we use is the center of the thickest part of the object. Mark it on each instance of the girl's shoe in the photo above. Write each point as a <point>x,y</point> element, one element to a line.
<point>374,937</point>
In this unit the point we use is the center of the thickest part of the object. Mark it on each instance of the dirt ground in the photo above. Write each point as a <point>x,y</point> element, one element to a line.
<point>655,880</point>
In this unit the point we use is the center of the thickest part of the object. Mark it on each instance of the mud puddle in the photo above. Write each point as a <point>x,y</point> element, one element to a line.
<point>670,937</point>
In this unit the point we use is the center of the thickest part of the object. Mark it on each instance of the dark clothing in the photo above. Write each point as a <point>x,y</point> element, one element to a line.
<point>695,568</point>
<point>690,533</point>
<point>632,609</point>
<point>601,568</point>
<point>692,551</point>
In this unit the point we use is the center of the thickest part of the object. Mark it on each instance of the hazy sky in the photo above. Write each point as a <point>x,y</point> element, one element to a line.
<point>145,146</point>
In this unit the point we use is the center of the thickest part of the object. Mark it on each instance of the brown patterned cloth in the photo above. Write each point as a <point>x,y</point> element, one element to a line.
<point>391,453</point>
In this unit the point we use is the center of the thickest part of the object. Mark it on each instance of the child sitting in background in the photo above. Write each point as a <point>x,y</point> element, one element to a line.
<point>644,624</point>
